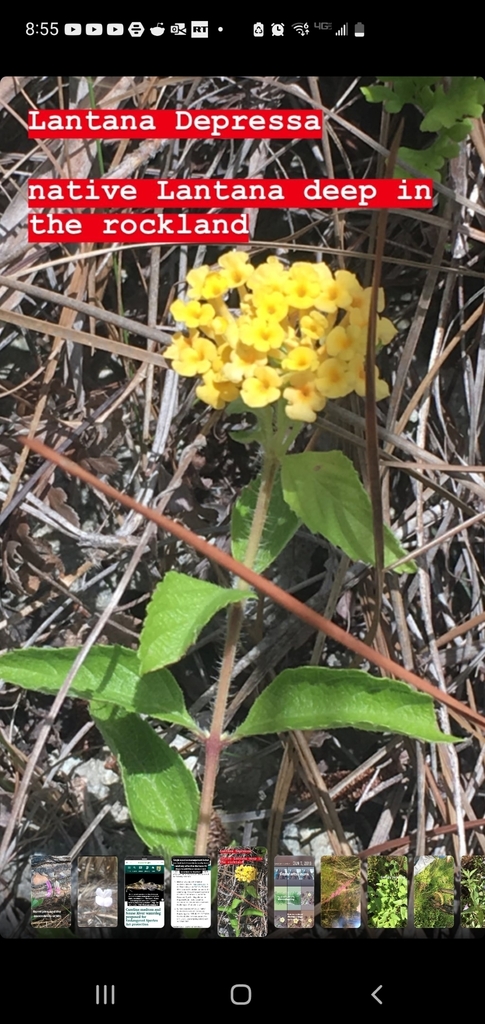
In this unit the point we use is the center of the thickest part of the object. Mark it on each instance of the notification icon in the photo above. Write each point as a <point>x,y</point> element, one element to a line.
<point>72,29</point>
<point>199,29</point>
<point>136,29</point>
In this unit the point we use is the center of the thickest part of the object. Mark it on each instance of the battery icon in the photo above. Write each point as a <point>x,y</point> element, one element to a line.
<point>359,29</point>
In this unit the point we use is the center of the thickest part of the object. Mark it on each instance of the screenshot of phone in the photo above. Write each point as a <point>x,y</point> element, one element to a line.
<point>242,892</point>
<point>294,892</point>
<point>97,892</point>
<point>144,893</point>
<point>241,490</point>
<point>191,892</point>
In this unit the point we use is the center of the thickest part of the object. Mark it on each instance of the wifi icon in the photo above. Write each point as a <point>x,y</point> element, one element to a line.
<point>301,27</point>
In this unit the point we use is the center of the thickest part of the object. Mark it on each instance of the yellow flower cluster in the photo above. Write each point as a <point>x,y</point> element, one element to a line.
<point>299,332</point>
<point>245,873</point>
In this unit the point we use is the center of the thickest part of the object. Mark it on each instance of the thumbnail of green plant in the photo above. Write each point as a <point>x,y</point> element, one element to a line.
<point>472,903</point>
<point>434,893</point>
<point>387,892</point>
<point>340,892</point>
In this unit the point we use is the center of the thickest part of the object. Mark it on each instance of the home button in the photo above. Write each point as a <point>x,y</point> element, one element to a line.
<point>241,995</point>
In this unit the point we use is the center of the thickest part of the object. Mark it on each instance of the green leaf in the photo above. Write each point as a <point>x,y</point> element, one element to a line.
<point>248,436</point>
<point>425,162</point>
<point>405,90</point>
<point>180,607</point>
<point>280,526</point>
<point>465,96</point>
<point>382,94</point>
<point>460,130</point>
<point>161,792</point>
<point>252,913</point>
<point>110,674</point>
<point>324,489</point>
<point>327,698</point>
<point>262,426</point>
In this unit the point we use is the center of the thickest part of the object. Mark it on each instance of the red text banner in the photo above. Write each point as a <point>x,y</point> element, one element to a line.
<point>172,193</point>
<point>173,124</point>
<point>139,227</point>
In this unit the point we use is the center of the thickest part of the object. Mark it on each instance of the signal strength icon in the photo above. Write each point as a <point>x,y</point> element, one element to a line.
<point>344,31</point>
<point>301,27</point>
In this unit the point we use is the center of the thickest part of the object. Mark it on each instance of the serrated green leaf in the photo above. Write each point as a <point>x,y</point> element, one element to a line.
<point>425,162</point>
<point>464,97</point>
<point>161,792</point>
<point>405,89</point>
<point>324,489</point>
<point>110,674</point>
<point>180,607</point>
<point>382,94</point>
<point>280,526</point>
<point>460,131</point>
<point>325,698</point>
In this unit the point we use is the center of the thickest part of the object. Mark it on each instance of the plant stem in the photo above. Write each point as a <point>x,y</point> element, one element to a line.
<point>215,742</point>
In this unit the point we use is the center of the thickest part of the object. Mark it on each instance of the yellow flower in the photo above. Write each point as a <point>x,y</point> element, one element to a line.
<point>358,337</point>
<point>196,278</point>
<point>338,343</point>
<point>304,401</point>
<point>302,286</point>
<point>270,305</point>
<point>335,293</point>
<point>216,284</point>
<point>262,334</point>
<point>385,330</point>
<point>300,330</point>
<point>245,873</point>
<point>300,359</point>
<point>216,392</point>
<point>348,281</point>
<point>193,314</point>
<point>359,311</point>
<point>268,275</point>
<point>332,379</point>
<point>262,389</point>
<point>242,362</point>
<point>197,358</point>
<point>236,268</point>
<point>179,343</point>
<point>314,324</point>
<point>357,370</point>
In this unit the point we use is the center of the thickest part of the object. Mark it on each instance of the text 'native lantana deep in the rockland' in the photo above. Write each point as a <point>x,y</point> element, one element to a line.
<point>298,332</point>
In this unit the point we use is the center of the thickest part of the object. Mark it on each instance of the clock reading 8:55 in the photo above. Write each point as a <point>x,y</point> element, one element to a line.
<point>42,28</point>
